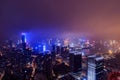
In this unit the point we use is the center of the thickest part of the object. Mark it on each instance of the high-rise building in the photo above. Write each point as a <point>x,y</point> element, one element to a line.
<point>23,38</point>
<point>95,66</point>
<point>75,61</point>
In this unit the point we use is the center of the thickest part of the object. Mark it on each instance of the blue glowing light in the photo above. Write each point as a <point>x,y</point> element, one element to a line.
<point>83,53</point>
<point>58,44</point>
<point>25,40</point>
<point>36,47</point>
<point>44,48</point>
<point>23,33</point>
<point>84,79</point>
<point>83,40</point>
<point>72,45</point>
<point>24,37</point>
<point>39,45</point>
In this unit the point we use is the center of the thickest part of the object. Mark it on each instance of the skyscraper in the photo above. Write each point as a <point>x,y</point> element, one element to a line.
<point>23,38</point>
<point>75,61</point>
<point>95,68</point>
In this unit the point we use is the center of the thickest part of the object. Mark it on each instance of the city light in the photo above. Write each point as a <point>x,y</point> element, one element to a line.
<point>23,33</point>
<point>36,48</point>
<point>66,42</point>
<point>44,48</point>
<point>110,52</point>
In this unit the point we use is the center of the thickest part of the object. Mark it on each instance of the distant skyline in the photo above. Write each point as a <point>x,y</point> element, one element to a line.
<point>93,18</point>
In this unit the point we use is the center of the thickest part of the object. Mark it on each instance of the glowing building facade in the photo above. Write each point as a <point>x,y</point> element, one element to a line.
<point>95,68</point>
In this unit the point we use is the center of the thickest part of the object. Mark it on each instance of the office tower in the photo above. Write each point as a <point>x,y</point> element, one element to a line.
<point>44,48</point>
<point>23,38</point>
<point>95,66</point>
<point>75,61</point>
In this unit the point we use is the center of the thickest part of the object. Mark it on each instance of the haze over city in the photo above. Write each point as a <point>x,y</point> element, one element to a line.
<point>93,18</point>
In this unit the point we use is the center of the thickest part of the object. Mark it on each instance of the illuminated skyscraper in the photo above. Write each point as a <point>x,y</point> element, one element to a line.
<point>44,48</point>
<point>95,68</point>
<point>23,38</point>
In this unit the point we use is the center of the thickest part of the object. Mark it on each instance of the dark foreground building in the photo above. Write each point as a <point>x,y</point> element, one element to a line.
<point>75,61</point>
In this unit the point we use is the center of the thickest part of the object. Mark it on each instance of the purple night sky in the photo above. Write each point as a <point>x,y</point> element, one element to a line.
<point>94,18</point>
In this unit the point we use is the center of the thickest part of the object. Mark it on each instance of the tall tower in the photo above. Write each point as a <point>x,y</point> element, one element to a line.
<point>23,38</point>
<point>95,68</point>
<point>75,61</point>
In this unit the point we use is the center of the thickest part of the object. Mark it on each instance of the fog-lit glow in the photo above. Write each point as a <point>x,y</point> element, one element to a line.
<point>110,52</point>
<point>44,48</point>
<point>24,35</point>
